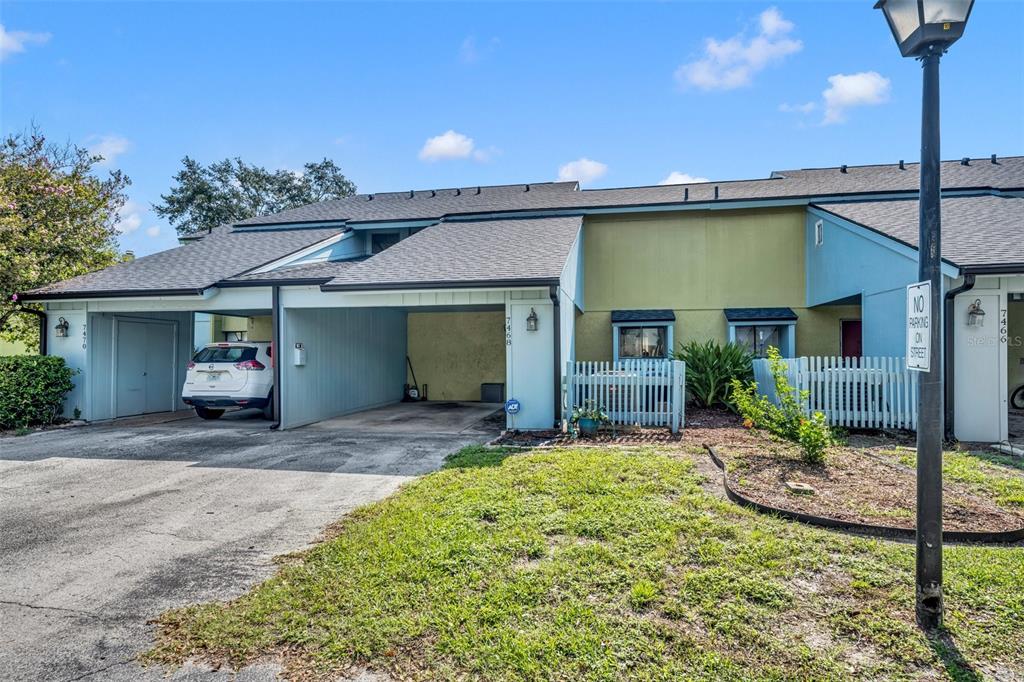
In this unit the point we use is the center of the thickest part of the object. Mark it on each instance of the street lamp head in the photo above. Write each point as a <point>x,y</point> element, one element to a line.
<point>922,25</point>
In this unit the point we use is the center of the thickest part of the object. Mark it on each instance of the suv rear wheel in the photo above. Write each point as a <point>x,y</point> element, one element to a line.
<point>268,410</point>
<point>207,413</point>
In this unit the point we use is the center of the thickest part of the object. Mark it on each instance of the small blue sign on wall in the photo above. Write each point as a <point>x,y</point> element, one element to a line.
<point>512,406</point>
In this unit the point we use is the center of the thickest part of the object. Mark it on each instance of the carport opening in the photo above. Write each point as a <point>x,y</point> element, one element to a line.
<point>457,355</point>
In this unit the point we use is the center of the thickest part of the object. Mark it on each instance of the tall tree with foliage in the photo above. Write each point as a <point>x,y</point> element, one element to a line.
<point>204,197</point>
<point>58,219</point>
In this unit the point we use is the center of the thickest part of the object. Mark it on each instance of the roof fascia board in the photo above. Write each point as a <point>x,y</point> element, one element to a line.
<point>156,294</point>
<point>270,282</point>
<point>442,284</point>
<point>949,268</point>
<point>309,224</point>
<point>996,269</point>
<point>392,224</point>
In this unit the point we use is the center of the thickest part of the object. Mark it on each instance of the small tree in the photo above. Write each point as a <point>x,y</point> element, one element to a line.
<point>58,219</point>
<point>787,418</point>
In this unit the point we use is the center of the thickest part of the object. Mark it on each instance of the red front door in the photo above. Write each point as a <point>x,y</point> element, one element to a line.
<point>851,344</point>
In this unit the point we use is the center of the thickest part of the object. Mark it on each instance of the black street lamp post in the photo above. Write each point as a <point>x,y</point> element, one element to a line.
<point>924,29</point>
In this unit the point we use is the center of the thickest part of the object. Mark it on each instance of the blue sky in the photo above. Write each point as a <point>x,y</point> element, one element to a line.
<point>615,94</point>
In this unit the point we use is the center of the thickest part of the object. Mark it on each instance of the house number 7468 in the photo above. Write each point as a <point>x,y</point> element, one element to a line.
<point>508,331</point>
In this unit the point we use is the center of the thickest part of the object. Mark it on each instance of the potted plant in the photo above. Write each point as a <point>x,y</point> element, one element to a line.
<point>588,417</point>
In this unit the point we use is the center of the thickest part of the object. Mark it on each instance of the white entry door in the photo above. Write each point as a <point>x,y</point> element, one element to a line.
<point>144,366</point>
<point>979,374</point>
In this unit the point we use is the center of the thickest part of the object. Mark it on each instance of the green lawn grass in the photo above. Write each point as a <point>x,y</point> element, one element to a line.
<point>601,564</point>
<point>997,476</point>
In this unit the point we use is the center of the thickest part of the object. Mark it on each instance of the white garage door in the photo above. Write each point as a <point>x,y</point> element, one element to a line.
<point>144,366</point>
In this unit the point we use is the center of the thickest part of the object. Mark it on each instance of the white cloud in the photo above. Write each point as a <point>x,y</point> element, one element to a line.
<point>131,217</point>
<point>805,108</point>
<point>677,178</point>
<point>14,42</point>
<point>845,91</point>
<point>583,169</point>
<point>471,52</point>
<point>732,63</point>
<point>109,147</point>
<point>453,145</point>
<point>153,231</point>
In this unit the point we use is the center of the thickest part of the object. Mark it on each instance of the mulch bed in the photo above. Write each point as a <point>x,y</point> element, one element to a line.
<point>854,486</point>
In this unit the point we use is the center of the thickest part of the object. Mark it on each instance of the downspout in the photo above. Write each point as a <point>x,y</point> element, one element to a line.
<point>948,364</point>
<point>275,339</point>
<point>553,293</point>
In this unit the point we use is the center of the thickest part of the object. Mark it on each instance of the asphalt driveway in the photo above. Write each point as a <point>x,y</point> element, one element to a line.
<point>104,527</point>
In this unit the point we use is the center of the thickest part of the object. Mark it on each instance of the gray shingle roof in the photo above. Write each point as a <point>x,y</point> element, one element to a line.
<point>421,204</point>
<point>463,253</point>
<point>325,270</point>
<point>660,315</point>
<point>1007,173</point>
<point>759,314</point>
<point>976,231</point>
<point>189,268</point>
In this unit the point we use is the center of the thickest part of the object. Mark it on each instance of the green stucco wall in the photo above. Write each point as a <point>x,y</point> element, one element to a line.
<point>697,264</point>
<point>453,353</point>
<point>1014,344</point>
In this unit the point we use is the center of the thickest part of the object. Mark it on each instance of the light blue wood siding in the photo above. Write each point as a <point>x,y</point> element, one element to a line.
<point>100,372</point>
<point>355,360</point>
<point>855,262</point>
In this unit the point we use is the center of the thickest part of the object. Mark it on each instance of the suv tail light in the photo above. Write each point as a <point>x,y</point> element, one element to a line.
<point>190,365</point>
<point>250,365</point>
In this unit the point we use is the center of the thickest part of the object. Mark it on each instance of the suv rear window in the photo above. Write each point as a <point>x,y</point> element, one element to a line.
<point>225,354</point>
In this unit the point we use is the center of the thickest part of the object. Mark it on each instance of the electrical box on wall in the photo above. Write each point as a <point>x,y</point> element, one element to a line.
<point>300,355</point>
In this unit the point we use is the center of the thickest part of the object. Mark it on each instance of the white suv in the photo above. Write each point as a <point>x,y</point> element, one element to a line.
<point>236,374</point>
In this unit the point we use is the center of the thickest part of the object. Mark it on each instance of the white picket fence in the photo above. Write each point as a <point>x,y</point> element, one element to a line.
<point>632,392</point>
<point>869,393</point>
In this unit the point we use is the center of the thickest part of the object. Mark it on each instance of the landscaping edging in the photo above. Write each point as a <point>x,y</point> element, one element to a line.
<point>988,537</point>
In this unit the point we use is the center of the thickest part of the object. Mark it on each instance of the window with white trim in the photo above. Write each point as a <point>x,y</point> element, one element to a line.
<point>762,328</point>
<point>642,334</point>
<point>819,232</point>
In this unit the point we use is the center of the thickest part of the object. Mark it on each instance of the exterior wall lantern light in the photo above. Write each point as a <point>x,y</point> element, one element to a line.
<point>925,29</point>
<point>531,321</point>
<point>61,328</point>
<point>975,314</point>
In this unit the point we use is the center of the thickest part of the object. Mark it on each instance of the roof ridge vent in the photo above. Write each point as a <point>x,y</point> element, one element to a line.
<point>433,193</point>
<point>716,192</point>
<point>994,159</point>
<point>966,161</point>
<point>842,169</point>
<point>369,197</point>
<point>526,187</point>
<point>903,166</point>
<point>477,189</point>
<point>411,193</point>
<point>686,194</point>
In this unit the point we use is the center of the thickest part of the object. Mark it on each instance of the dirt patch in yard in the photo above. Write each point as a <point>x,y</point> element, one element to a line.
<point>854,486</point>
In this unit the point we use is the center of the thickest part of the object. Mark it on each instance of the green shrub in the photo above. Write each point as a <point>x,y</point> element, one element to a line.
<point>814,438</point>
<point>786,417</point>
<point>711,369</point>
<point>32,389</point>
